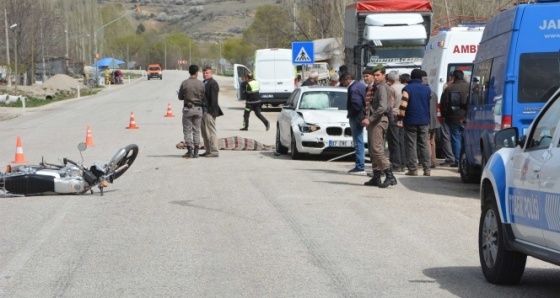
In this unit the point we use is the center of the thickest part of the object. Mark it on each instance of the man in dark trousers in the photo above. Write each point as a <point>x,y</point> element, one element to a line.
<point>212,111</point>
<point>356,107</point>
<point>453,107</point>
<point>414,116</point>
<point>253,102</point>
<point>191,92</point>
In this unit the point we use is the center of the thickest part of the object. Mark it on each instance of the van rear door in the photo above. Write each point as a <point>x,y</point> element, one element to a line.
<point>238,72</point>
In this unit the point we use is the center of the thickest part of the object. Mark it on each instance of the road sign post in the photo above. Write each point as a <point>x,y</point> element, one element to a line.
<point>303,52</point>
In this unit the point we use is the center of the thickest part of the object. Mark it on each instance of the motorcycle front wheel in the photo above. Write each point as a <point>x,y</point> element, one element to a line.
<point>127,159</point>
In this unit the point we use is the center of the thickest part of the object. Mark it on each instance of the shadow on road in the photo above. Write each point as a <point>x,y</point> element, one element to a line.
<point>535,283</point>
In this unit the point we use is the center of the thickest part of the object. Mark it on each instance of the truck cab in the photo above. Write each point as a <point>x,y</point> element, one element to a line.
<point>392,33</point>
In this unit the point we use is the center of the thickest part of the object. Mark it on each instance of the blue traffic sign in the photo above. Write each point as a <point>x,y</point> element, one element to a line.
<point>303,52</point>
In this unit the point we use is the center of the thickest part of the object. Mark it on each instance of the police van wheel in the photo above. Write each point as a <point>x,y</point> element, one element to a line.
<point>499,265</point>
<point>279,148</point>
<point>468,173</point>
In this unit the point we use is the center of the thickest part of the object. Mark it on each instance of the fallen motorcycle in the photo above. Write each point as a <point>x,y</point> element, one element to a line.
<point>68,178</point>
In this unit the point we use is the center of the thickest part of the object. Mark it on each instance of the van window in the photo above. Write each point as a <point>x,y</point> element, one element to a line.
<point>481,82</point>
<point>465,67</point>
<point>538,73</point>
<point>497,77</point>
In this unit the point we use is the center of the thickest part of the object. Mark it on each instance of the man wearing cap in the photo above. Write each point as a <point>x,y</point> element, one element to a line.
<point>414,116</point>
<point>379,96</point>
<point>312,80</point>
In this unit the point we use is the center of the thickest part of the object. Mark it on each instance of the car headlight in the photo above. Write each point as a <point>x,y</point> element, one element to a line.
<point>308,127</point>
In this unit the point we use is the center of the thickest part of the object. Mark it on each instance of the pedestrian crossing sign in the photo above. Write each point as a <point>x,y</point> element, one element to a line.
<point>303,52</point>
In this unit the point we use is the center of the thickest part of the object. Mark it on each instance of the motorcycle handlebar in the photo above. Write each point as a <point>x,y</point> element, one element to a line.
<point>66,160</point>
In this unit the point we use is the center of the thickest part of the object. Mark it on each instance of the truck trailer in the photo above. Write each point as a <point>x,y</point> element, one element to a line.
<point>392,33</point>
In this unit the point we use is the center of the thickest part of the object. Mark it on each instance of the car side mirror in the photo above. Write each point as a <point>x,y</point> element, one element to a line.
<point>287,107</point>
<point>506,138</point>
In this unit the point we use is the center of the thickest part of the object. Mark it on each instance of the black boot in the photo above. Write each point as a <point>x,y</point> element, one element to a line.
<point>188,153</point>
<point>195,152</point>
<point>375,180</point>
<point>389,179</point>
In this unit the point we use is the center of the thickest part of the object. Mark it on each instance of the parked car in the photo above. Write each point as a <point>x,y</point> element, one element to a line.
<point>520,197</point>
<point>313,121</point>
<point>154,71</point>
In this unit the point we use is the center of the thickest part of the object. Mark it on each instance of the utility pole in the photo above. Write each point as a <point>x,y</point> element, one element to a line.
<point>66,56</point>
<point>7,49</point>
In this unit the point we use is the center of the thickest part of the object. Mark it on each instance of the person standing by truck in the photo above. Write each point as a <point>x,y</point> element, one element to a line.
<point>253,103</point>
<point>453,106</point>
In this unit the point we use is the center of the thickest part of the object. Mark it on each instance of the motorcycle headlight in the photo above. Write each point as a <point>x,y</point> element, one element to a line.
<point>72,172</point>
<point>306,128</point>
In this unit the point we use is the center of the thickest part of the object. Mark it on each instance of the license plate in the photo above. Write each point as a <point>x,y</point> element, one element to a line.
<point>341,143</point>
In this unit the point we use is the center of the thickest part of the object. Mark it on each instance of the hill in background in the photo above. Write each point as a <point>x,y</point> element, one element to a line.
<point>201,20</point>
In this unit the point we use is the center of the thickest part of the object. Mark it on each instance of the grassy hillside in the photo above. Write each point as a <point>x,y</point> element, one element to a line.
<point>202,20</point>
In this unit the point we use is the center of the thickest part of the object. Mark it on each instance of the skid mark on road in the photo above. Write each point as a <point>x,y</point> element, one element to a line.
<point>340,281</point>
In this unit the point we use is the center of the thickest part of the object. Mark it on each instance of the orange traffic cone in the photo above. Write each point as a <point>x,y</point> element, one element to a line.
<point>19,152</point>
<point>132,124</point>
<point>169,112</point>
<point>89,137</point>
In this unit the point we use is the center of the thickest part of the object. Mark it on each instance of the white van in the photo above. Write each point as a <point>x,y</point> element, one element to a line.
<point>274,70</point>
<point>450,50</point>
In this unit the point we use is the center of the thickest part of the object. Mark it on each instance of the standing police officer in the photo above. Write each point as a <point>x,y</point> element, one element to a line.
<point>253,103</point>
<point>191,93</point>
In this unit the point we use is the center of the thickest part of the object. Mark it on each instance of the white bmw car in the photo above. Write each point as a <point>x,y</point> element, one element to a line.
<point>313,121</point>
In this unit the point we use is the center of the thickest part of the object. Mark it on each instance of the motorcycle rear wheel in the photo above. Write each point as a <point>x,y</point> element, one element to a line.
<point>128,159</point>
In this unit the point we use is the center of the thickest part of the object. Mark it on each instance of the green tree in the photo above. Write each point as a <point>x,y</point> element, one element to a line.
<point>239,51</point>
<point>270,29</point>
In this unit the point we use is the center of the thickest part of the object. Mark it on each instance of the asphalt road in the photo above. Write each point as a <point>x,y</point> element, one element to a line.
<point>246,224</point>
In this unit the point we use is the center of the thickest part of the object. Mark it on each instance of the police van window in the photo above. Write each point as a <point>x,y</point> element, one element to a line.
<point>538,73</point>
<point>545,128</point>
<point>496,88</point>
<point>479,86</point>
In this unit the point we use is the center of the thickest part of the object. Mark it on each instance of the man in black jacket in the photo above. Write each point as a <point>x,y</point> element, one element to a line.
<point>212,111</point>
<point>453,107</point>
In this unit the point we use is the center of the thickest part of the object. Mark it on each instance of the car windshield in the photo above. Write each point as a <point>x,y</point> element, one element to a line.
<point>323,100</point>
<point>154,68</point>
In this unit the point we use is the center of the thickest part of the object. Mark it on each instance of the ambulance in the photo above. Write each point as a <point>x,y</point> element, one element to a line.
<point>450,50</point>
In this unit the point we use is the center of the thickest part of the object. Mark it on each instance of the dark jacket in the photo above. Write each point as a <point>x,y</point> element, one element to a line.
<point>356,101</point>
<point>211,97</point>
<point>453,104</point>
<point>415,110</point>
<point>308,82</point>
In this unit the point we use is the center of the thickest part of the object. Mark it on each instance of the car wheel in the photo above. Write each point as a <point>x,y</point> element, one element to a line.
<point>295,152</point>
<point>148,78</point>
<point>161,77</point>
<point>279,148</point>
<point>499,265</point>
<point>468,173</point>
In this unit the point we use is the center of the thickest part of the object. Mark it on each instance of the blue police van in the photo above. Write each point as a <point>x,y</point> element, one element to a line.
<point>516,69</point>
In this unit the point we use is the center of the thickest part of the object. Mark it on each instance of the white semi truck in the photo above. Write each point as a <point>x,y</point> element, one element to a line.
<point>388,32</point>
